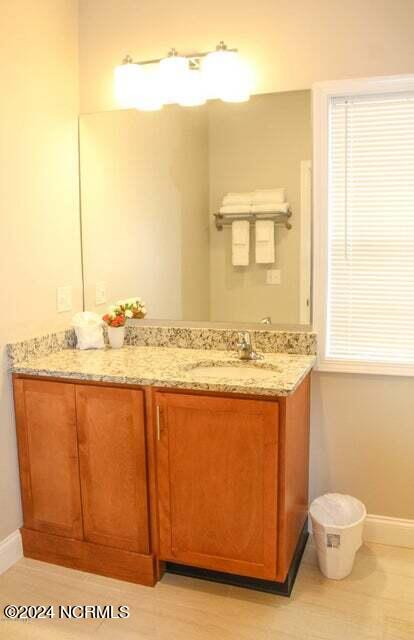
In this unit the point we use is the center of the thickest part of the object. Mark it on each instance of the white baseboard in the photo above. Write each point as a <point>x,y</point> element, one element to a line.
<point>396,532</point>
<point>10,550</point>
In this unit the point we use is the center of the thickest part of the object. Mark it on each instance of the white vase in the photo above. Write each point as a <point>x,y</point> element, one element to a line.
<point>116,336</point>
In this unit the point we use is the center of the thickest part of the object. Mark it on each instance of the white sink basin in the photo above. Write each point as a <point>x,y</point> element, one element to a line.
<point>234,370</point>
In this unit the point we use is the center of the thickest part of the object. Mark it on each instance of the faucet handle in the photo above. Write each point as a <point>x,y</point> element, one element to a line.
<point>244,338</point>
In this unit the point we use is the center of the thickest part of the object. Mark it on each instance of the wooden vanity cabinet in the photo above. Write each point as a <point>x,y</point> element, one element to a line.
<point>232,481</point>
<point>83,475</point>
<point>120,480</point>
<point>48,456</point>
<point>112,467</point>
<point>217,483</point>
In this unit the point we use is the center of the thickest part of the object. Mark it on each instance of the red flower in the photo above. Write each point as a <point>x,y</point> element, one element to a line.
<point>114,321</point>
<point>118,321</point>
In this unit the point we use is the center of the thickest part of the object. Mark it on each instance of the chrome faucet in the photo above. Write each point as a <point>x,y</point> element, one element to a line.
<point>245,347</point>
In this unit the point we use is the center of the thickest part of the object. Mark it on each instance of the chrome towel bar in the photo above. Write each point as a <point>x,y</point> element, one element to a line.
<point>224,219</point>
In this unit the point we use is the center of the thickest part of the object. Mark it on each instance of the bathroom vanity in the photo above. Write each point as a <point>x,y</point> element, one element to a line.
<point>171,454</point>
<point>134,462</point>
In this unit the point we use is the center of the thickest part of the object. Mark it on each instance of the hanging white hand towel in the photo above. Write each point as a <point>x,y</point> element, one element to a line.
<point>265,241</point>
<point>240,243</point>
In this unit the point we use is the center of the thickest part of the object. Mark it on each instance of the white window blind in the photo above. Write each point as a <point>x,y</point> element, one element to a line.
<point>370,296</point>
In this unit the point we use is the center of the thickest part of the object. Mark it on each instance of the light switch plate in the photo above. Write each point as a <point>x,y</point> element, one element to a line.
<point>63,299</point>
<point>100,293</point>
<point>273,276</point>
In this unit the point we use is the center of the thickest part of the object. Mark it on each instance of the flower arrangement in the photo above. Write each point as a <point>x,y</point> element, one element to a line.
<point>114,318</point>
<point>132,308</point>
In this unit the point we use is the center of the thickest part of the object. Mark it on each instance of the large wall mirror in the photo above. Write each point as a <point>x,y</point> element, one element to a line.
<point>151,183</point>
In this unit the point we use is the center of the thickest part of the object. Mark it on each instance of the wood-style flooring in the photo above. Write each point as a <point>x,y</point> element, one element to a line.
<point>375,603</point>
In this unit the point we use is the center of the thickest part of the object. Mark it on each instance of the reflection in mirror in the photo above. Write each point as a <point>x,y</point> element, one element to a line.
<point>151,183</point>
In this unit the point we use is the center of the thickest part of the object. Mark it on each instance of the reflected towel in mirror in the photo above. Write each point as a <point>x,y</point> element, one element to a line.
<point>236,208</point>
<point>240,243</point>
<point>265,196</point>
<point>272,207</point>
<point>265,241</point>
<point>238,198</point>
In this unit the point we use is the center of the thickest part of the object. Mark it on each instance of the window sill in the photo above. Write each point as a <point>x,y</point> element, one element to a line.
<point>360,367</point>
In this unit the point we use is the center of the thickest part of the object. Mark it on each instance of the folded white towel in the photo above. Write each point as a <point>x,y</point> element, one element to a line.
<point>238,198</point>
<point>236,208</point>
<point>265,241</point>
<point>240,243</point>
<point>273,207</point>
<point>263,196</point>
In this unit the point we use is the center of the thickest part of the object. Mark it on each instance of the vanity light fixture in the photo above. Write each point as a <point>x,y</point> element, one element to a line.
<point>127,79</point>
<point>149,96</point>
<point>188,80</point>
<point>225,75</point>
<point>193,92</point>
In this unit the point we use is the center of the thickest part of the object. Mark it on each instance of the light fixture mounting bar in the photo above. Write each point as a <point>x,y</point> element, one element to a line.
<point>129,60</point>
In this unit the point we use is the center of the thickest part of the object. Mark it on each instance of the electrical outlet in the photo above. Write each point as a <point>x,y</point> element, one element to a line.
<point>273,276</point>
<point>63,299</point>
<point>100,293</point>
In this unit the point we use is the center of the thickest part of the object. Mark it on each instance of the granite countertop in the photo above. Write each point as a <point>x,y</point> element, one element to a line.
<point>279,373</point>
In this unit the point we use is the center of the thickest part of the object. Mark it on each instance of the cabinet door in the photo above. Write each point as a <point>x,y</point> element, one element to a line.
<point>217,483</point>
<point>48,456</point>
<point>111,437</point>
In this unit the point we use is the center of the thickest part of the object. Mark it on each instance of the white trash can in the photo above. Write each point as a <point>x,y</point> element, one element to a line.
<point>337,523</point>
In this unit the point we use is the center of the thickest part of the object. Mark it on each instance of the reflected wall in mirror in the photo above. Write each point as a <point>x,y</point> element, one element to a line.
<point>150,184</point>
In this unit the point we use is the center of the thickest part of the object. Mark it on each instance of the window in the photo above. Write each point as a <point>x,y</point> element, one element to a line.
<point>364,197</point>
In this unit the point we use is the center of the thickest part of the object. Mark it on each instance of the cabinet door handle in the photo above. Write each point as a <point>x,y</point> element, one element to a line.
<point>158,423</point>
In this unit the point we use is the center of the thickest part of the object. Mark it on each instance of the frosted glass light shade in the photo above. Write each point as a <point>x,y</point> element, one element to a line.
<point>192,92</point>
<point>173,71</point>
<point>225,76</point>
<point>128,78</point>
<point>237,89</point>
<point>149,96</point>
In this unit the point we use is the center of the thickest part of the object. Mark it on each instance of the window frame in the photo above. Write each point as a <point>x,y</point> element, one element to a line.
<point>322,93</point>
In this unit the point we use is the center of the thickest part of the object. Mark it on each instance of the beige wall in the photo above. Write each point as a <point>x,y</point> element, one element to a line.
<point>290,43</point>
<point>363,440</point>
<point>257,145</point>
<point>192,178</point>
<point>39,240</point>
<point>144,209</point>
